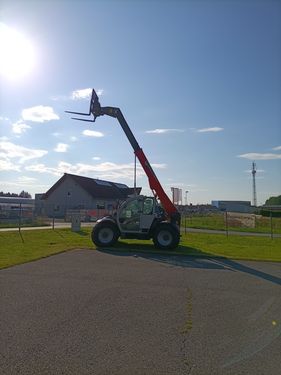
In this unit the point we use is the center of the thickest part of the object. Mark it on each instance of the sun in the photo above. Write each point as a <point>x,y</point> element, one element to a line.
<point>17,53</point>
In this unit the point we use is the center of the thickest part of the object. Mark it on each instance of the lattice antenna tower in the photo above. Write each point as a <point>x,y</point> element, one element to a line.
<point>254,171</point>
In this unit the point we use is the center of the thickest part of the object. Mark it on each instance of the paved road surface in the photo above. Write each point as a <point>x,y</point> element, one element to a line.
<point>89,312</point>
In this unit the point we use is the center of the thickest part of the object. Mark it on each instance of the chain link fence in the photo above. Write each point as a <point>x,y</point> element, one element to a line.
<point>234,222</point>
<point>23,215</point>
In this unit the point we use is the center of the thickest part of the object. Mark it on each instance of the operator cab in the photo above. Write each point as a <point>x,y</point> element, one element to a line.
<point>137,214</point>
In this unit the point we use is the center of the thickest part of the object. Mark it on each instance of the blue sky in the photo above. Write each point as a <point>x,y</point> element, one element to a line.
<point>199,83</point>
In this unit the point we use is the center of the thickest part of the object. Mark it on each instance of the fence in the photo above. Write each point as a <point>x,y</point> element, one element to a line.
<point>21,216</point>
<point>17,215</point>
<point>233,222</point>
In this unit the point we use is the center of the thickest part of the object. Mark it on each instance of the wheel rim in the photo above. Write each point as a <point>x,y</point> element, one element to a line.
<point>105,235</point>
<point>165,238</point>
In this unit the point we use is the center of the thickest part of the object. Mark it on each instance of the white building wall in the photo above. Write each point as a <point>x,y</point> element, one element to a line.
<point>70,195</point>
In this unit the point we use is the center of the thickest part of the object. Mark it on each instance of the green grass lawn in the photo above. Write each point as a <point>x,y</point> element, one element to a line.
<point>25,224</point>
<point>217,222</point>
<point>36,244</point>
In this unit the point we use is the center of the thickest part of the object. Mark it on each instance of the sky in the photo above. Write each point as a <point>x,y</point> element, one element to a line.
<point>199,83</point>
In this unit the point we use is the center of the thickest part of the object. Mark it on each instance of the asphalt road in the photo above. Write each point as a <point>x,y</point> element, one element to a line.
<point>90,312</point>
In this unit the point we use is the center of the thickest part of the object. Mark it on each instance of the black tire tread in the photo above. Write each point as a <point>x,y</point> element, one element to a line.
<point>98,227</point>
<point>175,234</point>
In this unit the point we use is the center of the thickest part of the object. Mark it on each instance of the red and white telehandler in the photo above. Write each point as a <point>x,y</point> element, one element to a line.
<point>138,217</point>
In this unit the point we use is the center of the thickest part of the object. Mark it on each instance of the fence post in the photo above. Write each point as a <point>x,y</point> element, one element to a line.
<point>20,224</point>
<point>271,228</point>
<point>226,223</point>
<point>20,218</point>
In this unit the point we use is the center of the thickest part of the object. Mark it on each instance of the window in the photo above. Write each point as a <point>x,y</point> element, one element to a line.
<point>148,206</point>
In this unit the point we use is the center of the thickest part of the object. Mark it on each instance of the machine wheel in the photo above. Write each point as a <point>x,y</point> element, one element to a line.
<point>166,236</point>
<point>105,234</point>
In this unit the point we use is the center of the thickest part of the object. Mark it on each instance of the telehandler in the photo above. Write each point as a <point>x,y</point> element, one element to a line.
<point>138,217</point>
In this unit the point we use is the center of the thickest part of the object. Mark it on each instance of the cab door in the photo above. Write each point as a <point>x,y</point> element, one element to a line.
<point>130,214</point>
<point>148,214</point>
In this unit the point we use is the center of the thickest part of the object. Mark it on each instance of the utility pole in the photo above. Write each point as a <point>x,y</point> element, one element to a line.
<point>254,171</point>
<point>135,176</point>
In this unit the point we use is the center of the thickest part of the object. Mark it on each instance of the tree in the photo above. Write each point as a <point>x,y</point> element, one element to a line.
<point>24,194</point>
<point>273,201</point>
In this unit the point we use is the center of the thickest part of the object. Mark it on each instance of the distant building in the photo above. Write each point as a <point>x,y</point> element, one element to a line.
<point>196,209</point>
<point>72,192</point>
<point>233,206</point>
<point>15,202</point>
<point>39,204</point>
<point>13,207</point>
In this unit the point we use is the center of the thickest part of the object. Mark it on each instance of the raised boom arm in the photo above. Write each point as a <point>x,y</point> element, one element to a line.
<point>158,191</point>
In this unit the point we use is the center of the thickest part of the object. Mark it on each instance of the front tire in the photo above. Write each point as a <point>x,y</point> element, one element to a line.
<point>166,236</point>
<point>105,234</point>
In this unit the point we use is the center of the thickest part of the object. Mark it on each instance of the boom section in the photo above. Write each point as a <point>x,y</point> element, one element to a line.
<point>154,183</point>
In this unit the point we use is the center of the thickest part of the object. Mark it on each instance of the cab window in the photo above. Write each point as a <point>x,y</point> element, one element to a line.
<point>148,206</point>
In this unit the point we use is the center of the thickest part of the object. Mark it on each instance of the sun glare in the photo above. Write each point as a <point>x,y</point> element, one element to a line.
<point>17,57</point>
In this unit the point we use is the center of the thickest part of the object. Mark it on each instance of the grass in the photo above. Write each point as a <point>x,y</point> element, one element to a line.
<point>212,221</point>
<point>36,244</point>
<point>30,245</point>
<point>216,245</point>
<point>217,222</point>
<point>25,224</point>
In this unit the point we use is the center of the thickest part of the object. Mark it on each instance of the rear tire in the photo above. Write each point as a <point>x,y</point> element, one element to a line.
<point>105,234</point>
<point>166,236</point>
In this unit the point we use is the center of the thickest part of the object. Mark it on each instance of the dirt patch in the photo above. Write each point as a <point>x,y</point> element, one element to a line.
<point>237,219</point>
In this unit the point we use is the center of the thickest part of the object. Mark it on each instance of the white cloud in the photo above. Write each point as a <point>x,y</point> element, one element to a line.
<point>106,170</point>
<point>59,97</point>
<point>164,131</point>
<point>7,165</point>
<point>20,127</point>
<point>208,130</point>
<point>260,156</point>
<point>41,168</point>
<point>56,134</point>
<point>26,184</point>
<point>278,148</point>
<point>9,150</point>
<point>61,147</point>
<point>26,179</point>
<point>73,139</point>
<point>92,133</point>
<point>4,138</point>
<point>77,94</point>
<point>2,118</point>
<point>177,184</point>
<point>96,158</point>
<point>158,166</point>
<point>85,93</point>
<point>39,113</point>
